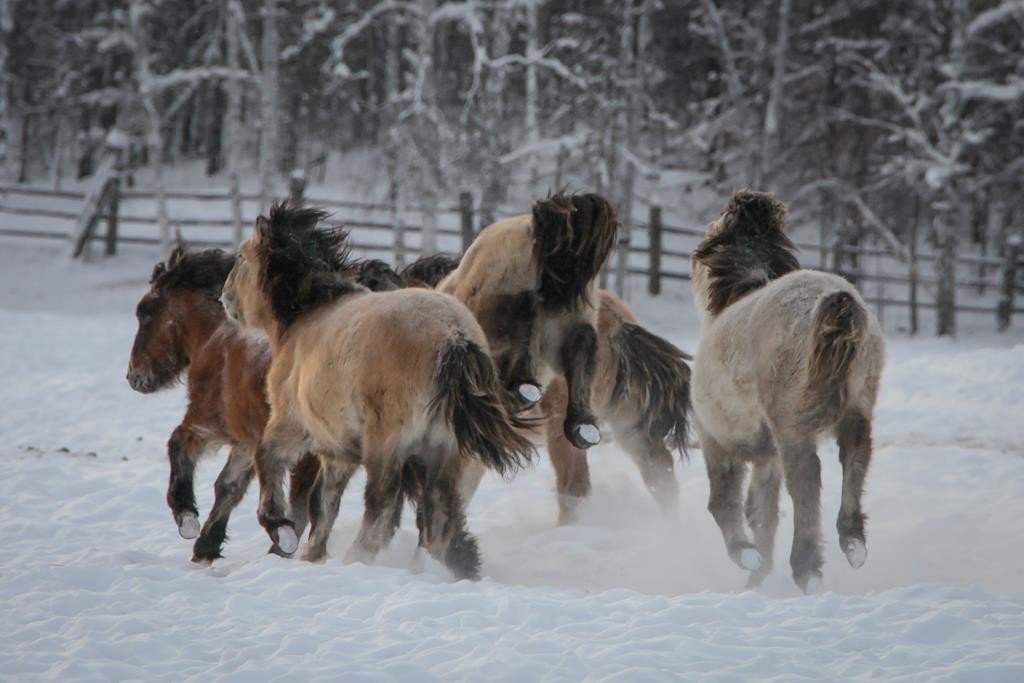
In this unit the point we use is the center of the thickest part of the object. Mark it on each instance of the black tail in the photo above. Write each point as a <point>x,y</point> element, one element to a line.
<point>478,409</point>
<point>839,324</point>
<point>572,237</point>
<point>654,375</point>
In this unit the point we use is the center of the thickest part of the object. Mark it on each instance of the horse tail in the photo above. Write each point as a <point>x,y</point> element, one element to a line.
<point>477,408</point>
<point>572,237</point>
<point>838,331</point>
<point>654,376</point>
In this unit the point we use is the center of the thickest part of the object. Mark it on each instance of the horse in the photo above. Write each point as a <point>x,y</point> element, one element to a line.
<point>786,355</point>
<point>400,383</point>
<point>640,389</point>
<point>182,326</point>
<point>530,280</point>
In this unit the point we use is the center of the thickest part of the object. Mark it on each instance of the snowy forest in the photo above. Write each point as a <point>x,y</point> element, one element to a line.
<point>898,122</point>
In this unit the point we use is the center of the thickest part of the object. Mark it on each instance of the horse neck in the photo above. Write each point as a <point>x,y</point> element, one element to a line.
<point>201,323</point>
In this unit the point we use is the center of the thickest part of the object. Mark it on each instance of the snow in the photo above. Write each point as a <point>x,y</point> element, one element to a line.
<point>95,582</point>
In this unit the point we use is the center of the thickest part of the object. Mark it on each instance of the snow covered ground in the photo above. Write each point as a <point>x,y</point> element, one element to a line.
<point>96,584</point>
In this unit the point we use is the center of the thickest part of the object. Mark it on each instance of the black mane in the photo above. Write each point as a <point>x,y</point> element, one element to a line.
<point>303,266</point>
<point>572,237</point>
<point>203,270</point>
<point>749,251</point>
<point>378,276</point>
<point>429,270</point>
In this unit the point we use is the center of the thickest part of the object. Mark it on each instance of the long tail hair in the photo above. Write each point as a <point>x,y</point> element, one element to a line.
<point>839,324</point>
<point>654,375</point>
<point>572,237</point>
<point>478,409</point>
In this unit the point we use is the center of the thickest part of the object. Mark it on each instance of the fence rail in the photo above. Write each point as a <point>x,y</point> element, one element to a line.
<point>364,217</point>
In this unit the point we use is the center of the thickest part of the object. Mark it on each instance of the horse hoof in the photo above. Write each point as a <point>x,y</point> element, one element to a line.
<point>529,393</point>
<point>188,525</point>
<point>814,586</point>
<point>286,540</point>
<point>856,552</point>
<point>750,559</point>
<point>587,435</point>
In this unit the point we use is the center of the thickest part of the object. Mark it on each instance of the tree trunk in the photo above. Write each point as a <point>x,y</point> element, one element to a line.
<point>270,104</point>
<point>945,271</point>
<point>773,110</point>
<point>232,128</point>
<point>629,60</point>
<point>530,103</point>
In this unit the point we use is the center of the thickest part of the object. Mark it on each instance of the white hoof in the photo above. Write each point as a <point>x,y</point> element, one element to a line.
<point>287,541</point>
<point>856,553</point>
<point>815,586</point>
<point>188,527</point>
<point>357,554</point>
<point>750,559</point>
<point>589,434</point>
<point>529,392</point>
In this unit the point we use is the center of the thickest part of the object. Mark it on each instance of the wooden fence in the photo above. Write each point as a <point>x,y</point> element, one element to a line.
<point>656,250</point>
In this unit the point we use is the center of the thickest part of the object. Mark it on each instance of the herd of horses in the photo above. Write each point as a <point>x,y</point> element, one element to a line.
<point>308,362</point>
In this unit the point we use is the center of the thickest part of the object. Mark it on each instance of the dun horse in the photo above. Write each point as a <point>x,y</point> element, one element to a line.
<point>785,356</point>
<point>183,326</point>
<point>530,282</point>
<point>640,389</point>
<point>399,382</point>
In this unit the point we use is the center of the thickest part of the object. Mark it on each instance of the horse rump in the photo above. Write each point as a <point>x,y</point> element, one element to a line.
<point>477,408</point>
<point>838,329</point>
<point>572,237</point>
<point>655,376</point>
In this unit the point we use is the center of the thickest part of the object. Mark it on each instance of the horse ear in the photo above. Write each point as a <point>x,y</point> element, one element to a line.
<point>176,255</point>
<point>158,270</point>
<point>261,227</point>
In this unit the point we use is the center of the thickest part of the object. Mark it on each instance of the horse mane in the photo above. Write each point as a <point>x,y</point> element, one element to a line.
<point>303,266</point>
<point>429,270</point>
<point>377,276</point>
<point>572,237</point>
<point>750,250</point>
<point>184,269</point>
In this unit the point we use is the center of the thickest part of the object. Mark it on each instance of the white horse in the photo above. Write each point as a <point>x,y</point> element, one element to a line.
<point>786,355</point>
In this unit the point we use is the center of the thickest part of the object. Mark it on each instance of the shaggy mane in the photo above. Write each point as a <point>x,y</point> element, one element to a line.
<point>749,251</point>
<point>303,266</point>
<point>186,269</point>
<point>572,237</point>
<point>429,270</point>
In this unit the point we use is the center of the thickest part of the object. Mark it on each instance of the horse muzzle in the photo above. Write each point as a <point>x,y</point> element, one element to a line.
<point>141,382</point>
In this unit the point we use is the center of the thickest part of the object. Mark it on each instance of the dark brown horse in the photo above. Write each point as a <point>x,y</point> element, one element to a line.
<point>182,326</point>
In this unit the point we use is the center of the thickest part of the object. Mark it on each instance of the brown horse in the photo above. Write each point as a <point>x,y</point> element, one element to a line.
<point>398,382</point>
<point>786,355</point>
<point>531,283</point>
<point>182,326</point>
<point>640,390</point>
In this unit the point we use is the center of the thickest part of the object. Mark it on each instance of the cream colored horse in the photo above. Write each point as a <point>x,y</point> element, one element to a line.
<point>786,355</point>
<point>398,382</point>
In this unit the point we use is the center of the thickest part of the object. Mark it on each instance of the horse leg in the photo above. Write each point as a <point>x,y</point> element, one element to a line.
<point>183,450</point>
<point>725,474</point>
<point>382,507</point>
<point>472,472</point>
<point>280,449</point>
<point>572,474</point>
<point>303,478</point>
<point>232,483</point>
<point>579,359</point>
<point>854,437</point>
<point>442,523</point>
<point>656,466</point>
<point>763,514</point>
<point>802,470</point>
<point>332,478</point>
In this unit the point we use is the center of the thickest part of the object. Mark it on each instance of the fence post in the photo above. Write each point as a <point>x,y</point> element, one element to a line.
<point>945,270</point>
<point>466,210</point>
<point>113,207</point>
<point>912,248</point>
<point>1009,285</point>
<point>297,188</point>
<point>236,209</point>
<point>654,240</point>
